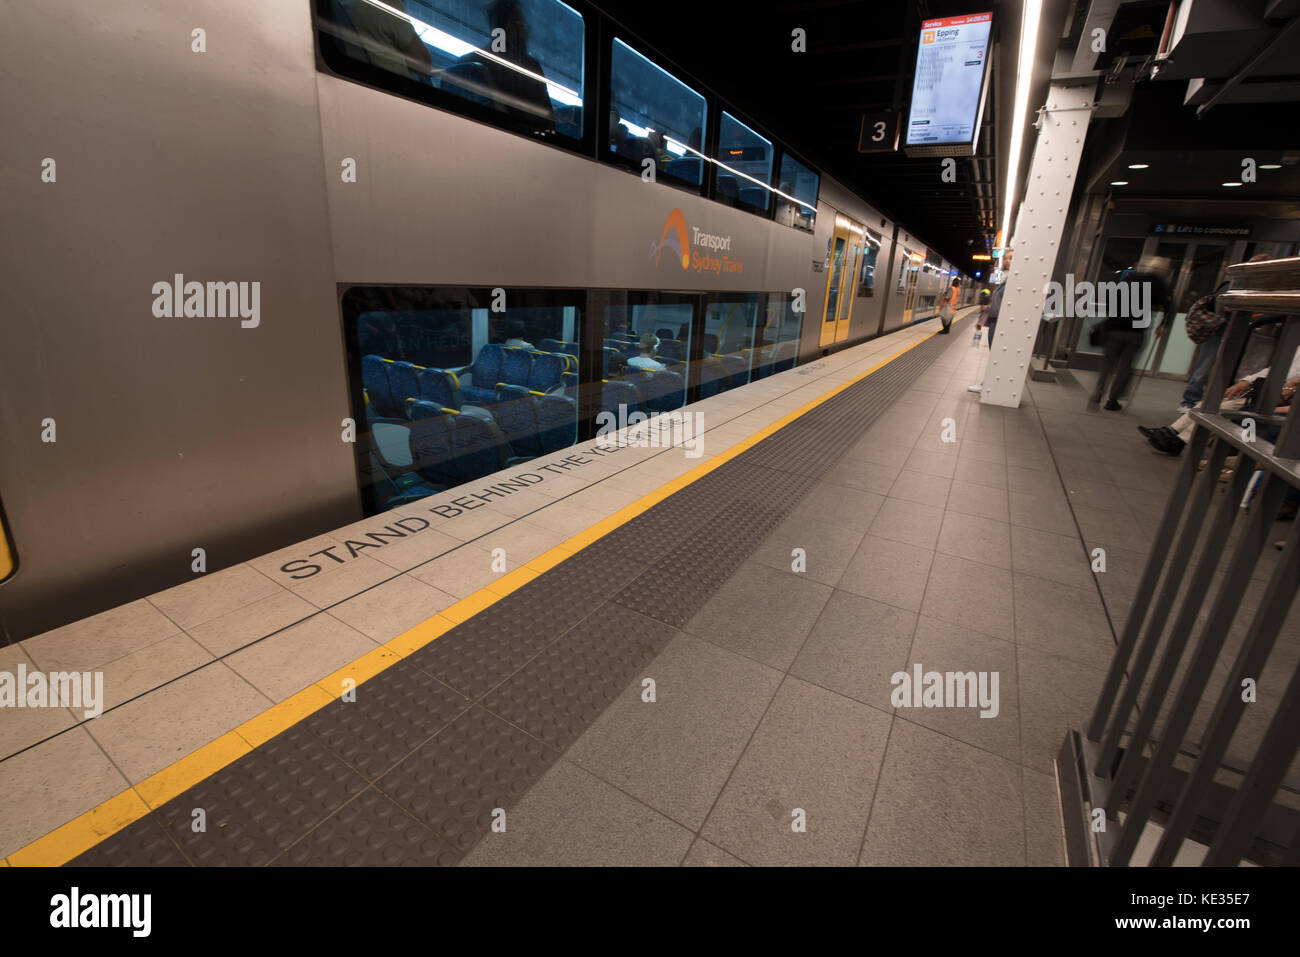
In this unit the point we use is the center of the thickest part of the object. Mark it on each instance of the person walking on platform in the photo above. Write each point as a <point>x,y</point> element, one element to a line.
<point>949,307</point>
<point>1121,338</point>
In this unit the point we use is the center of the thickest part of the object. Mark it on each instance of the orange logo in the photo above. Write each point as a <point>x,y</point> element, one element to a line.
<point>674,236</point>
<point>927,36</point>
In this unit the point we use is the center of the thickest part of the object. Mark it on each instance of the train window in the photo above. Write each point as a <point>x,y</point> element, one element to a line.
<point>776,340</point>
<point>744,166</point>
<point>730,322</point>
<point>647,347</point>
<point>798,207</point>
<point>867,269</point>
<point>516,63</point>
<point>654,115</point>
<point>452,384</point>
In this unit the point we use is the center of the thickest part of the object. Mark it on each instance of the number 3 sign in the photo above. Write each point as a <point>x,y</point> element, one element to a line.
<point>879,132</point>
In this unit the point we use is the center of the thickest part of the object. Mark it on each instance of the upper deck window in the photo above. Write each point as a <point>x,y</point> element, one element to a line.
<point>798,206</point>
<point>744,165</point>
<point>519,62</point>
<point>654,115</point>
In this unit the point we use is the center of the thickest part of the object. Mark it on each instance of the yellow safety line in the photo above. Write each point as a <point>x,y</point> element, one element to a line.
<point>103,821</point>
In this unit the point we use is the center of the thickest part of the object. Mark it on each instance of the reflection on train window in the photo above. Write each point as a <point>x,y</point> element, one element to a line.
<point>776,341</point>
<point>730,320</point>
<point>654,115</point>
<point>867,270</point>
<point>647,341</point>
<point>458,383</point>
<point>800,182</point>
<point>520,62</point>
<point>744,165</point>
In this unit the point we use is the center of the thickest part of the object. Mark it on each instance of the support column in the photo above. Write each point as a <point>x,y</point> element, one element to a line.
<point>1040,223</point>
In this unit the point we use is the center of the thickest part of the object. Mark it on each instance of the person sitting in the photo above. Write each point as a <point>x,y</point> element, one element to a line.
<point>1172,439</point>
<point>517,86</point>
<point>516,340</point>
<point>388,40</point>
<point>646,362</point>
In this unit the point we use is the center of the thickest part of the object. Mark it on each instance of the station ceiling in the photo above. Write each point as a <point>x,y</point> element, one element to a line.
<point>860,58</point>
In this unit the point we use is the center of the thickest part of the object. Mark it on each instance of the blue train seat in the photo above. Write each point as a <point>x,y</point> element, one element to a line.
<point>662,391</point>
<point>516,366</point>
<point>403,377</point>
<point>432,450</point>
<point>374,378</point>
<point>547,370</point>
<point>516,415</point>
<point>672,348</point>
<point>484,375</point>
<point>616,392</point>
<point>557,422</point>
<point>440,387</point>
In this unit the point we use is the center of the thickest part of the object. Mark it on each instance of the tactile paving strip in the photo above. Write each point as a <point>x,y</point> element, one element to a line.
<point>257,806</point>
<point>565,688</point>
<point>413,770</point>
<point>369,831</point>
<point>455,781</point>
<point>141,844</point>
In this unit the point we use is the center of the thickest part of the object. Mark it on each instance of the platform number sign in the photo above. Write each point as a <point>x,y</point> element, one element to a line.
<point>879,132</point>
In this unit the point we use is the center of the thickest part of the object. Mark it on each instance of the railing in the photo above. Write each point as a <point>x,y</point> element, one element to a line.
<point>1162,754</point>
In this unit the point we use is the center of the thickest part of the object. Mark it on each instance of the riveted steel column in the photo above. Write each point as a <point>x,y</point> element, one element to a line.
<point>1039,225</point>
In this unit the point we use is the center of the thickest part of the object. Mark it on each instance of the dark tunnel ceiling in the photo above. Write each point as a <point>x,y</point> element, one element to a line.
<point>814,101</point>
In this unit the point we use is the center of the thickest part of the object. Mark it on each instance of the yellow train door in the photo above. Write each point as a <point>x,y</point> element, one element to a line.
<point>851,259</point>
<point>846,253</point>
<point>834,282</point>
<point>912,265</point>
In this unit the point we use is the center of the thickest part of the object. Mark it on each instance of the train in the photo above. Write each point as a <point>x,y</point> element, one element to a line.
<point>278,267</point>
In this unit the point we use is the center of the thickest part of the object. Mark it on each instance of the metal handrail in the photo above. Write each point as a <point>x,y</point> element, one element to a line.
<point>1119,763</point>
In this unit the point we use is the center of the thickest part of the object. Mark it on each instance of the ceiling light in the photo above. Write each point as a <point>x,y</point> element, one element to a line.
<point>1138,165</point>
<point>1028,45</point>
<point>1231,184</point>
<point>1119,182</point>
<point>1271,166</point>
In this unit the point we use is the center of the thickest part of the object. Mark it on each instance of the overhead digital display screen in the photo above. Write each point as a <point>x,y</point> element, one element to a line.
<point>949,87</point>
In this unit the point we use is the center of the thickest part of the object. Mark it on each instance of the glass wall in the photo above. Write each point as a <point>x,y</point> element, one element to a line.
<point>776,341</point>
<point>802,183</point>
<point>456,383</point>
<point>744,166</point>
<point>730,324</point>
<point>519,63</point>
<point>654,115</point>
<point>646,348</point>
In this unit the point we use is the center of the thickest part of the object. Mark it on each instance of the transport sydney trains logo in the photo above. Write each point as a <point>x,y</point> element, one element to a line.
<point>674,237</point>
<point>699,251</point>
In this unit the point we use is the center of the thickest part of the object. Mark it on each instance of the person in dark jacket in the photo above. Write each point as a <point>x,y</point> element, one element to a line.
<point>1124,336</point>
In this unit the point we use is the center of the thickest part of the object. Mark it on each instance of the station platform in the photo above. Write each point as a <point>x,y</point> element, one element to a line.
<point>636,656</point>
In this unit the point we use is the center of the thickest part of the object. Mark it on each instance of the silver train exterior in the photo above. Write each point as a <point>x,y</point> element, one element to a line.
<point>130,160</point>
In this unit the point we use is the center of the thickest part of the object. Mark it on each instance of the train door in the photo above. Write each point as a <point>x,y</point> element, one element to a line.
<point>834,284</point>
<point>912,274</point>
<point>852,256</point>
